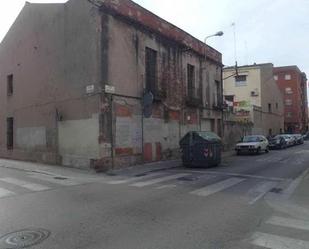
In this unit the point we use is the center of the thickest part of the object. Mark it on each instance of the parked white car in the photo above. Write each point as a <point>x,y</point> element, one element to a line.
<point>253,144</point>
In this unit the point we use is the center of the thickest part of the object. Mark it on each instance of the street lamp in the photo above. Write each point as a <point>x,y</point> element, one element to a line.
<point>220,33</point>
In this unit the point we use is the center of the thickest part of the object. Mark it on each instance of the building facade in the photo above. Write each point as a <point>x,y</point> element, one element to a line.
<point>254,97</point>
<point>103,84</point>
<point>293,85</point>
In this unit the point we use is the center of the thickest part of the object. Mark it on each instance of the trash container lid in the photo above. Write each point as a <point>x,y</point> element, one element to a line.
<point>208,135</point>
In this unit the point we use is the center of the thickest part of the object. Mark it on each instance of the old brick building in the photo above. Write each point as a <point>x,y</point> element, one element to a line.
<point>293,84</point>
<point>103,84</point>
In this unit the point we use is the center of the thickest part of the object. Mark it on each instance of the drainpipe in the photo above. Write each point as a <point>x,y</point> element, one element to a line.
<point>112,130</point>
<point>222,109</point>
<point>57,137</point>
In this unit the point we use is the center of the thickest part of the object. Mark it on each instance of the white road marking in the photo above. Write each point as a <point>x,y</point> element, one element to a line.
<point>261,190</point>
<point>302,152</point>
<point>5,192</point>
<point>133,179</point>
<point>214,188</point>
<point>65,182</point>
<point>158,180</point>
<point>287,222</point>
<point>294,184</point>
<point>24,184</point>
<point>167,186</point>
<point>238,175</point>
<point>277,242</point>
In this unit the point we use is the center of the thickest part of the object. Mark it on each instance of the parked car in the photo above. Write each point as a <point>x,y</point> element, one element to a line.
<point>252,144</point>
<point>289,139</point>
<point>306,136</point>
<point>278,142</point>
<point>298,138</point>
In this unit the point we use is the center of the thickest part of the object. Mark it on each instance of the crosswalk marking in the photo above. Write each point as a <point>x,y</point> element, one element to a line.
<point>237,175</point>
<point>277,242</point>
<point>294,184</point>
<point>5,192</point>
<point>158,180</point>
<point>261,190</point>
<point>290,223</point>
<point>65,182</point>
<point>167,186</point>
<point>214,188</point>
<point>24,184</point>
<point>132,179</point>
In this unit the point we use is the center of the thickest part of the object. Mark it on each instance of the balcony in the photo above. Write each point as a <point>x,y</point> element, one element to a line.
<point>159,95</point>
<point>192,99</point>
<point>219,106</point>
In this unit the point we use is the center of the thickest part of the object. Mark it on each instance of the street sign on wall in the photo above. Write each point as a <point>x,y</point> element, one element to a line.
<point>110,89</point>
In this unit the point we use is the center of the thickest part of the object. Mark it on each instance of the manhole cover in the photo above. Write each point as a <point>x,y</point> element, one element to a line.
<point>60,178</point>
<point>23,238</point>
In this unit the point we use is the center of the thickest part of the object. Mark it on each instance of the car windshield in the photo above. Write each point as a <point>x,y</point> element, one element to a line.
<point>251,139</point>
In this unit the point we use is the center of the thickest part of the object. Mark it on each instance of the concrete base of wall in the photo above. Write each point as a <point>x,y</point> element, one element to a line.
<point>44,157</point>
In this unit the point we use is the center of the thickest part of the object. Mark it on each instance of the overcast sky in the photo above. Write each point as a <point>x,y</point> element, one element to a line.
<point>266,30</point>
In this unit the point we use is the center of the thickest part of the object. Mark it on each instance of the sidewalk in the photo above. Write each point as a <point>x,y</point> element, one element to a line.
<point>57,170</point>
<point>157,166</point>
<point>54,170</point>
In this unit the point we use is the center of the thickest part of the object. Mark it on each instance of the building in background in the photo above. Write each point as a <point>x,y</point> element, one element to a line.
<point>103,84</point>
<point>293,85</point>
<point>255,97</point>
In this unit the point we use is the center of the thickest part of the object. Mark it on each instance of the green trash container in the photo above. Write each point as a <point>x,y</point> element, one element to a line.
<point>201,149</point>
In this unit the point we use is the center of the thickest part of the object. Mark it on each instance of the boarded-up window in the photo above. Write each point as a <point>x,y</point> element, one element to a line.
<point>10,129</point>
<point>191,80</point>
<point>151,70</point>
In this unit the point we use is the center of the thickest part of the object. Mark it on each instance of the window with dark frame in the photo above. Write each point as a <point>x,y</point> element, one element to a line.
<point>229,98</point>
<point>241,80</point>
<point>151,70</point>
<point>10,134</point>
<point>269,107</point>
<point>10,84</point>
<point>218,92</point>
<point>191,80</point>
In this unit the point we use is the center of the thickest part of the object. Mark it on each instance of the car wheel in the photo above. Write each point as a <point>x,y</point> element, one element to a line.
<point>267,150</point>
<point>237,152</point>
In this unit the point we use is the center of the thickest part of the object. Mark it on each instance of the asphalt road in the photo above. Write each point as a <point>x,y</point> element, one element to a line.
<point>244,203</point>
